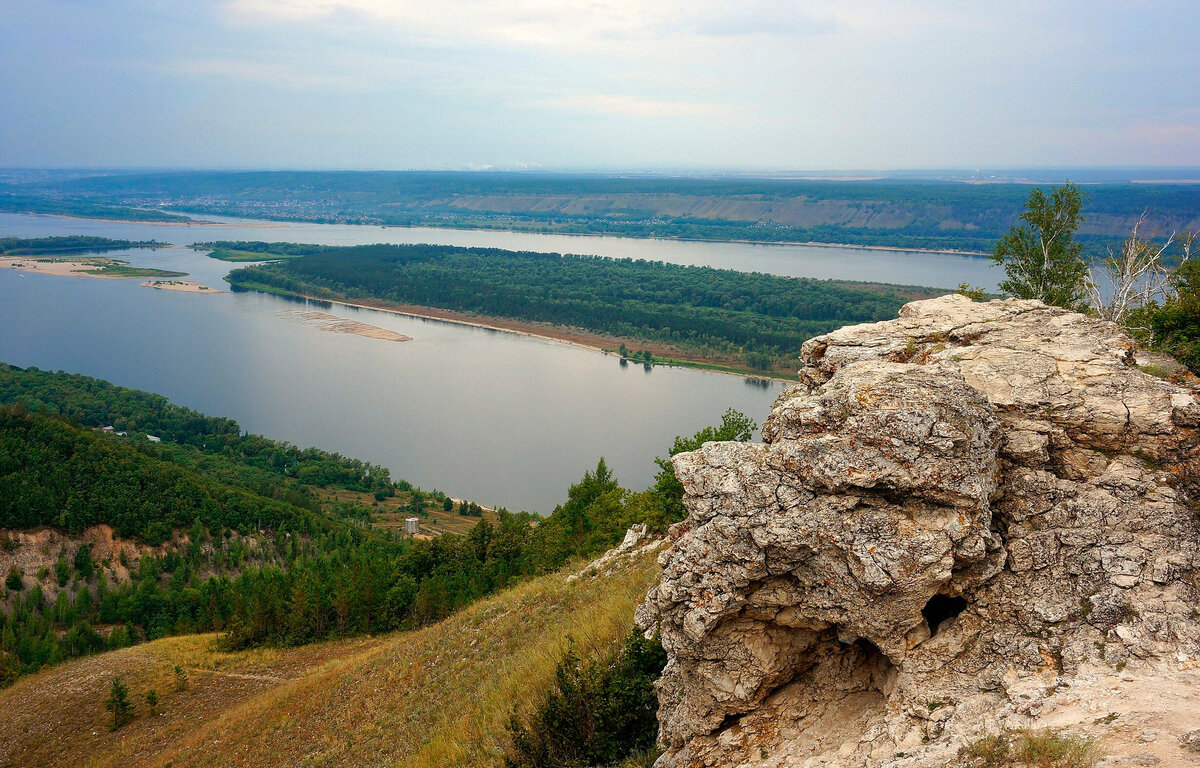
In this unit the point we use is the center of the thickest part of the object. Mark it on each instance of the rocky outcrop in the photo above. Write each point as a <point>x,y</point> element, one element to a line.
<point>954,517</point>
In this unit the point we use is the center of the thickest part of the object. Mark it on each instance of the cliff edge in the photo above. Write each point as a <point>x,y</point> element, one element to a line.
<point>976,517</point>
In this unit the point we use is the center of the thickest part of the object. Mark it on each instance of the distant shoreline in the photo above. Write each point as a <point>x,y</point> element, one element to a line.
<point>280,223</point>
<point>189,223</point>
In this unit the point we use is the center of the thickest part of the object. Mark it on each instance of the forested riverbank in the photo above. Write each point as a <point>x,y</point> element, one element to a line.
<point>749,321</point>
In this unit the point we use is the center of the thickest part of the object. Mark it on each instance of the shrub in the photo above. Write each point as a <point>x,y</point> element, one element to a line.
<point>1031,749</point>
<point>599,712</point>
<point>14,580</point>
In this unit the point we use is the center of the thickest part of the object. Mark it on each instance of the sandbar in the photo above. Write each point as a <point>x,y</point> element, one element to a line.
<point>183,286</point>
<point>327,322</point>
<point>62,268</point>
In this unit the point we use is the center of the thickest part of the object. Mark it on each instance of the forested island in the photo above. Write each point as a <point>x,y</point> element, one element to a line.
<point>69,245</point>
<point>746,321</point>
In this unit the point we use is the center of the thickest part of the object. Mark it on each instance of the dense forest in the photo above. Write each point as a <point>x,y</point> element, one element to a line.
<point>719,312</point>
<point>69,244</point>
<point>895,210</point>
<point>240,545</point>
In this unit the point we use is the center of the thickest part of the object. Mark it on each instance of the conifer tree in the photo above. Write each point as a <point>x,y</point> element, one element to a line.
<point>118,703</point>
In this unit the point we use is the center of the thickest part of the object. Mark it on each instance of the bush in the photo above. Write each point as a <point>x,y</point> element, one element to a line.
<point>1031,749</point>
<point>599,712</point>
<point>14,581</point>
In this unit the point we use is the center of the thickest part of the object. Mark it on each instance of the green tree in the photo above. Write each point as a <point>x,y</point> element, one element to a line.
<point>83,561</point>
<point>447,504</point>
<point>1040,257</point>
<point>14,581</point>
<point>181,678</point>
<point>152,701</point>
<point>597,491</point>
<point>1174,326</point>
<point>667,489</point>
<point>62,570</point>
<point>118,703</point>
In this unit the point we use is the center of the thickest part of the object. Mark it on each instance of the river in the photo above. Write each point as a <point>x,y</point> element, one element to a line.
<point>499,418</point>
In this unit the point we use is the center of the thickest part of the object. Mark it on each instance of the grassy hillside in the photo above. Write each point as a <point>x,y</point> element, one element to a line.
<point>438,696</point>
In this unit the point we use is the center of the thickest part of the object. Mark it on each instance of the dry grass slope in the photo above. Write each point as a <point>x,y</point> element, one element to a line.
<point>439,696</point>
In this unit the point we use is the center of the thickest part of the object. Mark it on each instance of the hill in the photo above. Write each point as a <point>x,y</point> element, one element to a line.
<point>897,212</point>
<point>437,696</point>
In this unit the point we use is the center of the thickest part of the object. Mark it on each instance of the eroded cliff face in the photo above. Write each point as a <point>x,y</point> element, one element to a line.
<point>953,518</point>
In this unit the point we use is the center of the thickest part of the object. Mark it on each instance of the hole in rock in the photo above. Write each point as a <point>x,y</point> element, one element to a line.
<point>879,673</point>
<point>940,608</point>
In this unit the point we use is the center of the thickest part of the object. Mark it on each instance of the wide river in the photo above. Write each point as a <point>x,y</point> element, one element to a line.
<point>496,417</point>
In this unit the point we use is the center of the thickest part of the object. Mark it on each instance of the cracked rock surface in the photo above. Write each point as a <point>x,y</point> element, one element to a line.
<point>954,517</point>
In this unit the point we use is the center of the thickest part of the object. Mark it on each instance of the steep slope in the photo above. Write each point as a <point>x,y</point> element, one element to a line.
<point>434,697</point>
<point>975,518</point>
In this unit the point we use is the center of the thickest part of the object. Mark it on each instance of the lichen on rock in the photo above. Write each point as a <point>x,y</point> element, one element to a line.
<point>952,516</point>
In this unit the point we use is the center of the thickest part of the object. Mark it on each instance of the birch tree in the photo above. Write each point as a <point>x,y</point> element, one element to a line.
<point>1135,277</point>
<point>1040,257</point>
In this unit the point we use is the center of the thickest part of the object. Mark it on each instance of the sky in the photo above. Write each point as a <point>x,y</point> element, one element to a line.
<point>752,85</point>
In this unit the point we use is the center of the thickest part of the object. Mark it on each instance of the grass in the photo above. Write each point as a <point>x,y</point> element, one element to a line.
<point>439,696</point>
<point>118,269</point>
<point>1031,749</point>
<point>264,288</point>
<point>390,513</point>
<point>231,254</point>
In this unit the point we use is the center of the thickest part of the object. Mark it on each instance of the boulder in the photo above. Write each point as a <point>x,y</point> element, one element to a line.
<point>951,516</point>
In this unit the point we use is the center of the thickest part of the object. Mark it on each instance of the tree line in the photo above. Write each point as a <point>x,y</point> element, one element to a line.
<point>67,244</point>
<point>758,316</point>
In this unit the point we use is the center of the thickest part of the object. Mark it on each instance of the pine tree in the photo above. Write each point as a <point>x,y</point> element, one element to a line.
<point>119,704</point>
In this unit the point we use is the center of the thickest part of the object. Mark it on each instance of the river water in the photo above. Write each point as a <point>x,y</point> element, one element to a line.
<point>499,418</point>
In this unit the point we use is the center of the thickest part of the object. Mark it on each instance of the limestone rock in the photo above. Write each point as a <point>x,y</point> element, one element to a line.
<point>952,516</point>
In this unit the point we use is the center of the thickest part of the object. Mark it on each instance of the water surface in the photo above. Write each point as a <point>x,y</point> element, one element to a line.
<point>496,417</point>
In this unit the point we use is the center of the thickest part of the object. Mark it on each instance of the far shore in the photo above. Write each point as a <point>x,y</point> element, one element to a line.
<point>189,223</point>
<point>279,223</point>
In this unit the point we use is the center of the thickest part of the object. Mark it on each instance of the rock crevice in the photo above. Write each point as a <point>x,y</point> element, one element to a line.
<point>950,517</point>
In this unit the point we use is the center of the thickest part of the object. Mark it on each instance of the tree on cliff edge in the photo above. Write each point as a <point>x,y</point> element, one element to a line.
<point>1040,257</point>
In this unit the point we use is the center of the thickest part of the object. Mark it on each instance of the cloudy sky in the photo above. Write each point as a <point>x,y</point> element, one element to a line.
<point>599,84</point>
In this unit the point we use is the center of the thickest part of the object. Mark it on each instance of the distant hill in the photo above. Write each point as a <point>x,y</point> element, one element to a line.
<point>951,210</point>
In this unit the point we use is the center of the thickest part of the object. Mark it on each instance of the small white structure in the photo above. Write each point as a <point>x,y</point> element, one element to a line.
<point>154,439</point>
<point>412,525</point>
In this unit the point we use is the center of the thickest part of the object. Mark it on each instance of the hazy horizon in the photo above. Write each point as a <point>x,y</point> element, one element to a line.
<point>764,86</point>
